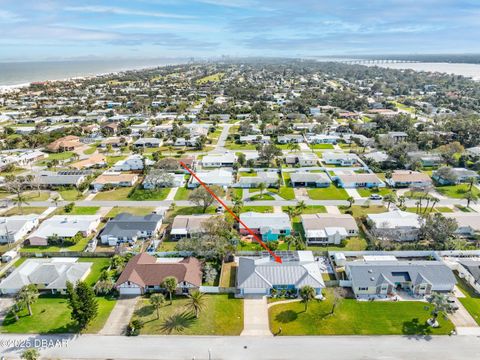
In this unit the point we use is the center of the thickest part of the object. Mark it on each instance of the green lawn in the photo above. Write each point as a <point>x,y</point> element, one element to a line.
<point>117,194</point>
<point>263,196</point>
<point>157,194</point>
<point>286,192</point>
<point>25,210</point>
<point>228,274</point>
<point>51,314</point>
<point>98,265</point>
<point>262,209</point>
<point>112,160</point>
<point>247,174</point>
<point>210,78</point>
<point>310,209</point>
<point>36,196</point>
<point>233,146</point>
<point>60,156</point>
<point>167,245</point>
<point>364,192</point>
<point>235,192</point>
<point>70,194</point>
<point>182,194</point>
<point>189,210</point>
<point>91,149</point>
<point>440,209</point>
<point>330,193</point>
<point>134,210</point>
<point>359,211</point>
<point>353,317</point>
<point>78,210</point>
<point>223,315</point>
<point>471,301</point>
<point>356,243</point>
<point>322,146</point>
<point>79,246</point>
<point>456,191</point>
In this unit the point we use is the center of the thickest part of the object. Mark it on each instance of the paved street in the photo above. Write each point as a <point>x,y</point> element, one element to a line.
<point>252,348</point>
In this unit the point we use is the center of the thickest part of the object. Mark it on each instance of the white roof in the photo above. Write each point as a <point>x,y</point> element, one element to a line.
<point>395,219</point>
<point>65,225</point>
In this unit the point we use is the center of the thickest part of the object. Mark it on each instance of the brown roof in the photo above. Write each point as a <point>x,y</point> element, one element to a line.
<point>144,270</point>
<point>410,176</point>
<point>92,160</point>
<point>66,141</point>
<point>113,178</point>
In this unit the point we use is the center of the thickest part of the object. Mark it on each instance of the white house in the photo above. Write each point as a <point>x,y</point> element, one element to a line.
<point>64,227</point>
<point>395,225</point>
<point>226,159</point>
<point>328,228</point>
<point>131,163</point>
<point>339,158</point>
<point>220,177</point>
<point>14,228</point>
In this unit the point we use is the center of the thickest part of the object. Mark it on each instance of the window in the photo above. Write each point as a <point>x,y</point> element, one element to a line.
<point>363,288</point>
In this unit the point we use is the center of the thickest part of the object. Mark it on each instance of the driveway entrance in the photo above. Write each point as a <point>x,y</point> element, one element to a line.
<point>255,316</point>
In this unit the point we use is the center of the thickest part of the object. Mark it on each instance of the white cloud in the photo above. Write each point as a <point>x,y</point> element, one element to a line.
<point>124,11</point>
<point>8,17</point>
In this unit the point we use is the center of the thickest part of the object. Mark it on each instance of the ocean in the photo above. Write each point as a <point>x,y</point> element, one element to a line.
<point>16,73</point>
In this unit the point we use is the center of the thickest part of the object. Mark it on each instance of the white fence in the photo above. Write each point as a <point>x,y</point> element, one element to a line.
<point>217,290</point>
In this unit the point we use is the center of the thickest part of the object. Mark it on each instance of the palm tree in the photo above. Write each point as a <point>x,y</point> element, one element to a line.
<point>389,199</point>
<point>30,354</point>
<point>295,241</point>
<point>28,295</point>
<point>339,293</point>
<point>440,304</point>
<point>157,301</point>
<point>170,284</point>
<point>434,201</point>
<point>261,188</point>
<point>300,207</point>
<point>470,197</point>
<point>291,211</point>
<point>289,240</point>
<point>237,204</point>
<point>350,200</point>
<point>401,201</point>
<point>294,146</point>
<point>196,302</point>
<point>307,293</point>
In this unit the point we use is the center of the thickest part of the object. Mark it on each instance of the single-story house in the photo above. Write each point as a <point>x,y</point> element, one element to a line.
<point>397,136</point>
<point>328,228</point>
<point>14,228</point>
<point>262,276</point>
<point>254,139</point>
<point>145,273</point>
<point>132,163</point>
<point>468,223</point>
<point>290,138</point>
<point>66,143</point>
<point>395,225</point>
<point>219,160</point>
<point>409,178</point>
<point>370,279</point>
<point>322,139</point>
<point>60,178</point>
<point>269,178</point>
<point>302,159</point>
<point>359,180</point>
<point>220,177</point>
<point>148,143</point>
<point>269,225</point>
<point>461,174</point>
<point>425,158</point>
<point>185,226</point>
<point>339,158</point>
<point>93,161</point>
<point>114,179</point>
<point>47,274</point>
<point>160,179</point>
<point>64,227</point>
<point>472,265</point>
<point>309,179</point>
<point>129,228</point>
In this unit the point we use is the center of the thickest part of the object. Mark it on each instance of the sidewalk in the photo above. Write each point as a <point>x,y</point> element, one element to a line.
<point>171,194</point>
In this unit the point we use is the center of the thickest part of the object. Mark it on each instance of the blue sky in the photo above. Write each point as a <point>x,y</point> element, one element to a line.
<point>64,29</point>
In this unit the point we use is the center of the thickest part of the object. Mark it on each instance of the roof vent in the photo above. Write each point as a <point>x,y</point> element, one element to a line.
<point>370,271</point>
<point>372,278</point>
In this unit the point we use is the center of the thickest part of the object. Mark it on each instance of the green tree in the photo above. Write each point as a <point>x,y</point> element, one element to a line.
<point>440,304</point>
<point>157,301</point>
<point>30,354</point>
<point>170,284</point>
<point>350,200</point>
<point>390,198</point>
<point>201,197</point>
<point>28,295</point>
<point>307,293</point>
<point>261,188</point>
<point>470,196</point>
<point>83,303</point>
<point>196,302</point>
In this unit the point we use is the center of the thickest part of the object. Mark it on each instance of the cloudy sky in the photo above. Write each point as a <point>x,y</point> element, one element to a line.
<point>65,29</point>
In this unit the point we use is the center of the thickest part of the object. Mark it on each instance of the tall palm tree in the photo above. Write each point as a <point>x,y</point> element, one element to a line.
<point>170,284</point>
<point>389,199</point>
<point>196,302</point>
<point>157,301</point>
<point>261,188</point>
<point>300,207</point>
<point>470,196</point>
<point>350,200</point>
<point>307,293</point>
<point>434,201</point>
<point>291,211</point>
<point>294,146</point>
<point>440,304</point>
<point>28,295</point>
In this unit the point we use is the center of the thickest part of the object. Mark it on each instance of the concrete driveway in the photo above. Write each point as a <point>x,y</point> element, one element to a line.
<point>255,317</point>
<point>120,316</point>
<point>5,305</point>
<point>462,318</point>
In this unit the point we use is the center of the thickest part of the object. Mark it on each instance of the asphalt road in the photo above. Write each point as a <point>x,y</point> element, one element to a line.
<point>248,348</point>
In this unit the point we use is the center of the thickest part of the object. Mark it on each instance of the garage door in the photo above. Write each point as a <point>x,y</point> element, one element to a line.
<point>130,291</point>
<point>254,291</point>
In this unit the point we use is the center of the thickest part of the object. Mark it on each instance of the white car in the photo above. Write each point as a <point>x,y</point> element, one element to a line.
<point>376,197</point>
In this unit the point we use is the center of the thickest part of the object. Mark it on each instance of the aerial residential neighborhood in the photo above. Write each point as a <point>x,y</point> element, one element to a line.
<point>371,213</point>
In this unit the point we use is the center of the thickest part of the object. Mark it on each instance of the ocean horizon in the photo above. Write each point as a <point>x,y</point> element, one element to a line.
<point>19,73</point>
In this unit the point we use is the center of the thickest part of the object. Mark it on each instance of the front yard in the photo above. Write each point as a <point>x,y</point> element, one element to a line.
<point>117,194</point>
<point>152,195</point>
<point>364,192</point>
<point>456,191</point>
<point>222,315</point>
<point>330,193</point>
<point>134,210</point>
<point>352,317</point>
<point>51,314</point>
<point>471,301</point>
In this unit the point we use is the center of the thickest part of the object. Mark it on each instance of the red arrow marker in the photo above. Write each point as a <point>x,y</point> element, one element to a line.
<point>277,258</point>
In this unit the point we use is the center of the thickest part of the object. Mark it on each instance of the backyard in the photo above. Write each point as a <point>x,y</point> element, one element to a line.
<point>222,315</point>
<point>353,317</point>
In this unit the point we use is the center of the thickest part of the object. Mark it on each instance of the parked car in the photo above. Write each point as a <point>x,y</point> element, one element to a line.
<point>453,303</point>
<point>376,197</point>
